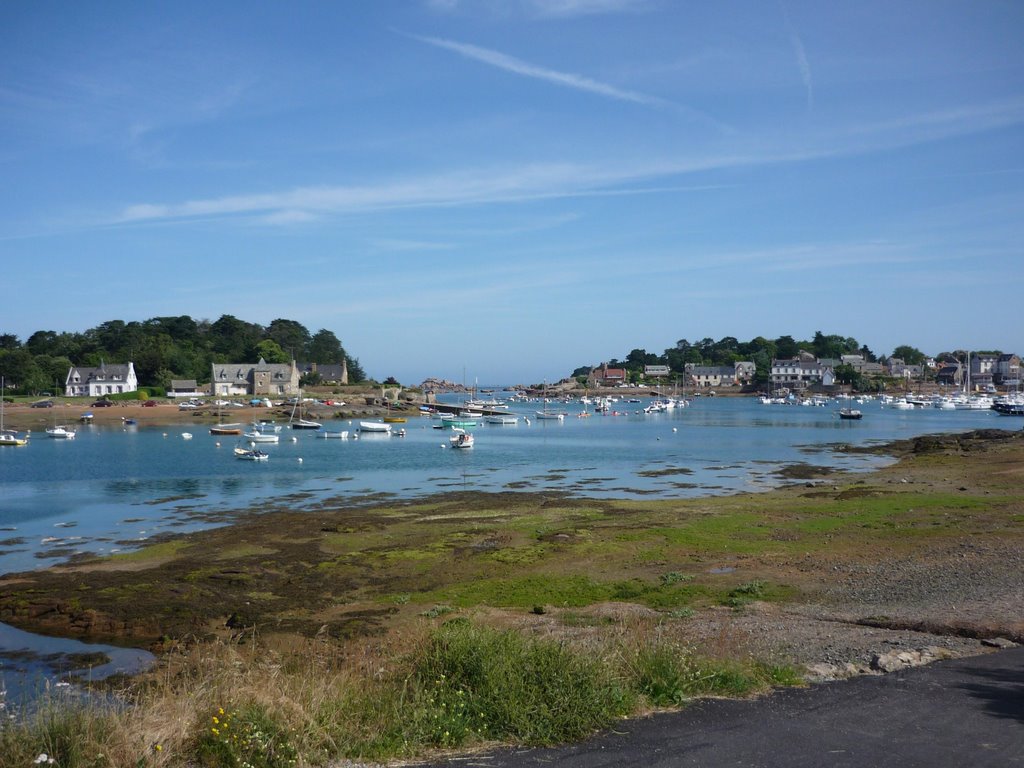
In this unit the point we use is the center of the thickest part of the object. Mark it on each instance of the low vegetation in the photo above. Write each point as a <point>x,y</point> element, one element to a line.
<point>448,685</point>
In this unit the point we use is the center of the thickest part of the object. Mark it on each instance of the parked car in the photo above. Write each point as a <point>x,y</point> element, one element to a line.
<point>102,404</point>
<point>43,404</point>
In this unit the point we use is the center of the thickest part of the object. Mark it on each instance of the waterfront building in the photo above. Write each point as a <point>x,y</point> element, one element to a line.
<point>107,379</point>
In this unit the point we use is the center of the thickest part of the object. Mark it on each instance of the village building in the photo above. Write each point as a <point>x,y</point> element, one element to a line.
<point>657,371</point>
<point>1008,371</point>
<point>330,373</point>
<point>951,374</point>
<point>263,378</point>
<point>707,376</point>
<point>184,388</point>
<point>603,376</point>
<point>107,379</point>
<point>801,372</point>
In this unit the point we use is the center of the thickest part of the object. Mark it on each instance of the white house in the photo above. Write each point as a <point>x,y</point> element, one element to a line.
<point>97,382</point>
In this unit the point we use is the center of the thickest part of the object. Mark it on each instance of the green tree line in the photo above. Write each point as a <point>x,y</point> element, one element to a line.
<point>164,348</point>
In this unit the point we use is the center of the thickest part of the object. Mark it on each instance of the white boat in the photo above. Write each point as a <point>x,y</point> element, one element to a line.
<point>7,436</point>
<point>373,426</point>
<point>261,437</point>
<point>503,418</point>
<point>329,435</point>
<point>550,415</point>
<point>460,438</point>
<point>254,454</point>
<point>60,432</point>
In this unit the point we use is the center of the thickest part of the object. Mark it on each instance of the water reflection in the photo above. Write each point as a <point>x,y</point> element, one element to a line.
<point>32,665</point>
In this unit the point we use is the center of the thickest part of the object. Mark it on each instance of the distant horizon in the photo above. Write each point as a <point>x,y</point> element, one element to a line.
<point>511,187</point>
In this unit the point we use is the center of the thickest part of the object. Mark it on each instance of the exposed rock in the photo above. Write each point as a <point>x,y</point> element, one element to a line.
<point>998,642</point>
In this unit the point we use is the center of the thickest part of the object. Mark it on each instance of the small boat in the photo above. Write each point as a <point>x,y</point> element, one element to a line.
<point>11,438</point>
<point>457,421</point>
<point>186,435</point>
<point>254,454</point>
<point>60,432</point>
<point>329,435</point>
<point>395,419</point>
<point>850,413</point>
<point>86,418</point>
<point>461,438</point>
<point>502,418</point>
<point>260,437</point>
<point>550,415</point>
<point>301,423</point>
<point>7,436</point>
<point>373,426</point>
<point>226,429</point>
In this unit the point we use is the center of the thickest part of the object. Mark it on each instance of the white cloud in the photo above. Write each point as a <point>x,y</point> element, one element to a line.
<point>570,8</point>
<point>519,67</point>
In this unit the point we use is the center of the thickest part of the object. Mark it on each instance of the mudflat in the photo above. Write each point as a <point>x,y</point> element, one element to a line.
<point>924,558</point>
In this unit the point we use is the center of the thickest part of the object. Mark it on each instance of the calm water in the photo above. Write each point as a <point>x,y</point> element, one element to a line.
<point>113,489</point>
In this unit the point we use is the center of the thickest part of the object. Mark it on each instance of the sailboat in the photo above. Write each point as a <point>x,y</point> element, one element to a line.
<point>221,428</point>
<point>7,437</point>
<point>60,431</point>
<point>546,414</point>
<point>301,423</point>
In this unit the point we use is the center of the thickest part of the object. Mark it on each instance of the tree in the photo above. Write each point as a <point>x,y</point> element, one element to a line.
<point>786,348</point>
<point>271,352</point>
<point>291,336</point>
<point>355,370</point>
<point>9,341</point>
<point>234,340</point>
<point>324,347</point>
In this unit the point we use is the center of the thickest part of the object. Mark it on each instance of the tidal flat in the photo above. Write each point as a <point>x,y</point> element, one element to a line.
<point>368,570</point>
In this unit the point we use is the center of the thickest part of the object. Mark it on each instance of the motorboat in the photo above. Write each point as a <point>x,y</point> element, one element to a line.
<point>461,438</point>
<point>332,435</point>
<point>374,426</point>
<point>550,415</point>
<point>60,432</point>
<point>502,418</point>
<point>255,436</point>
<point>253,454</point>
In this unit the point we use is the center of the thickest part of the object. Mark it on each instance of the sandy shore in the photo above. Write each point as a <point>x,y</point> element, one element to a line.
<point>23,417</point>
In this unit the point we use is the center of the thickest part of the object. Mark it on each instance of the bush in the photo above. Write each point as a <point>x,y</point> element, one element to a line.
<point>501,685</point>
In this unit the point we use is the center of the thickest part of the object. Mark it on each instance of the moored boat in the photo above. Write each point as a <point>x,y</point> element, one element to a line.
<point>373,426</point>
<point>60,432</point>
<point>461,438</point>
<point>254,454</point>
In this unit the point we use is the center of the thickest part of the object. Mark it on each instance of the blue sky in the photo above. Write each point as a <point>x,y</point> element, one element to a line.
<point>514,188</point>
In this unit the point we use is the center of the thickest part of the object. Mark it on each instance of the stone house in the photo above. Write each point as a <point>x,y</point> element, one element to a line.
<point>261,379</point>
<point>330,373</point>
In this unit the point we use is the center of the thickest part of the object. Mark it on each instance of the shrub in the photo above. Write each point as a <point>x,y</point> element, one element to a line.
<point>504,686</point>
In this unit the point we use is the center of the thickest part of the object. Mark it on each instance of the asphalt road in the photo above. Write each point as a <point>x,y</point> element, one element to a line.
<point>966,712</point>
